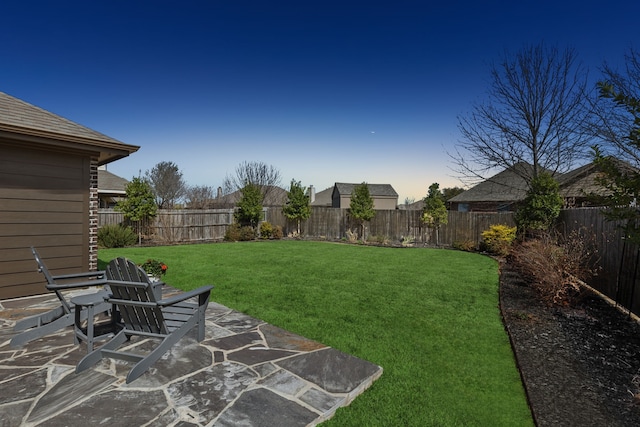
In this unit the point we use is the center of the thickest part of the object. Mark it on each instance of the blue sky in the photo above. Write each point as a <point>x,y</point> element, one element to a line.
<point>326,91</point>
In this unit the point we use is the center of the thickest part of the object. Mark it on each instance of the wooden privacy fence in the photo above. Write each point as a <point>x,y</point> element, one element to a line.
<point>197,225</point>
<point>173,226</point>
<point>394,225</point>
<point>618,278</point>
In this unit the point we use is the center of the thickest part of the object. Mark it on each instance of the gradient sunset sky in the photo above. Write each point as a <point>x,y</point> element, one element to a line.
<point>326,91</point>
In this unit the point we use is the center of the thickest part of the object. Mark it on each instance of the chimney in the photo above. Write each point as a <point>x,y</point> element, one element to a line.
<point>312,194</point>
<point>219,195</point>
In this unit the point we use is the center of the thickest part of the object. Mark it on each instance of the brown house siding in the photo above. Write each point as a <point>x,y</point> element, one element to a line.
<point>44,202</point>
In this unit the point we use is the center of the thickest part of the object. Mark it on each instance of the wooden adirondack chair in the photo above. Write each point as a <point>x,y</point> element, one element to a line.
<point>145,315</point>
<point>43,324</point>
<point>124,270</point>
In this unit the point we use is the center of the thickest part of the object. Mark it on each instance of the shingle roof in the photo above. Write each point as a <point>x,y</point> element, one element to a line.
<point>502,187</point>
<point>582,181</point>
<point>509,186</point>
<point>506,186</point>
<point>19,118</point>
<point>375,190</point>
<point>110,183</point>
<point>276,196</point>
<point>323,198</point>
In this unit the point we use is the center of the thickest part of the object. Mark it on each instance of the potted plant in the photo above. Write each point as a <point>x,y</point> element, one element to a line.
<point>155,269</point>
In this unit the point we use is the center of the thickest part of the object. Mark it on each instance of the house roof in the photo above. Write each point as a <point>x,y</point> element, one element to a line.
<point>506,186</point>
<point>375,190</point>
<point>110,183</point>
<point>276,196</point>
<point>419,205</point>
<point>582,181</point>
<point>29,124</point>
<point>323,198</point>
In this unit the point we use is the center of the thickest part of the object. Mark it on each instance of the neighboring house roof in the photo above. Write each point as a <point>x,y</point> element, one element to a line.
<point>509,186</point>
<point>375,190</point>
<point>110,183</point>
<point>323,198</point>
<point>506,186</point>
<point>276,196</point>
<point>582,181</point>
<point>419,205</point>
<point>25,122</point>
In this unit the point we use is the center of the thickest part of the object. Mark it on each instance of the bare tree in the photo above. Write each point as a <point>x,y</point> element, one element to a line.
<point>167,184</point>
<point>266,177</point>
<point>198,196</point>
<point>535,114</point>
<point>613,124</point>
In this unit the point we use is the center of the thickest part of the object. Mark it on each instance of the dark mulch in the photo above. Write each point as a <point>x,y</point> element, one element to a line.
<point>581,364</point>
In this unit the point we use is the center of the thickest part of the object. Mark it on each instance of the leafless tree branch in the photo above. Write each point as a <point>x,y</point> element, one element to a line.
<point>535,113</point>
<point>266,177</point>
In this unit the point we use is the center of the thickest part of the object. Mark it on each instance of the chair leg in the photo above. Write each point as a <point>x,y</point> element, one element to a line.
<point>96,355</point>
<point>201,323</point>
<point>152,357</point>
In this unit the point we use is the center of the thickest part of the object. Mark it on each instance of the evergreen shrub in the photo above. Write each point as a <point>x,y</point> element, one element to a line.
<point>464,245</point>
<point>277,233</point>
<point>266,230</point>
<point>237,233</point>
<point>116,236</point>
<point>497,239</point>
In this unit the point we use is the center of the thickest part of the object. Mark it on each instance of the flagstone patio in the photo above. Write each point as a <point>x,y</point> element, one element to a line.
<point>246,372</point>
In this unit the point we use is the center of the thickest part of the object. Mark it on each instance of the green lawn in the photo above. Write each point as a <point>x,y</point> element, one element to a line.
<point>429,317</point>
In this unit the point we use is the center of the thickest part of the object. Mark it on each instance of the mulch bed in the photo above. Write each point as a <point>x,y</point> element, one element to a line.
<point>580,365</point>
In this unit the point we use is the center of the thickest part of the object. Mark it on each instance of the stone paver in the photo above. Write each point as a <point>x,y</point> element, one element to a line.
<point>245,372</point>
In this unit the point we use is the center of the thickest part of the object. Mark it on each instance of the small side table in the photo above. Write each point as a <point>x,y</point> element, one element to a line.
<point>94,303</point>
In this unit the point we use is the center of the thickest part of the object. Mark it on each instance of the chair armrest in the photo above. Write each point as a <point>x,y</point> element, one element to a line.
<point>85,284</point>
<point>186,295</point>
<point>99,274</point>
<point>124,282</point>
<point>131,303</point>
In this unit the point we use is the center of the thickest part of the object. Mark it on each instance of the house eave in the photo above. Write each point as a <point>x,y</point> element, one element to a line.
<point>106,150</point>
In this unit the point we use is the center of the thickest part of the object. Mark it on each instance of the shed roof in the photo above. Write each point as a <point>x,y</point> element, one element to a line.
<point>24,122</point>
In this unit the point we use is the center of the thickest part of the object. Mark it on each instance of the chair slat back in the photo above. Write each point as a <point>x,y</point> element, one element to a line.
<point>147,317</point>
<point>50,280</point>
<point>125,270</point>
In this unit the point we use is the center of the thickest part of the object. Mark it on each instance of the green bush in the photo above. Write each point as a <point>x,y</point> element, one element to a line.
<point>498,239</point>
<point>116,236</point>
<point>541,206</point>
<point>247,233</point>
<point>233,233</point>
<point>277,232</point>
<point>266,230</point>
<point>464,245</point>
<point>237,233</point>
